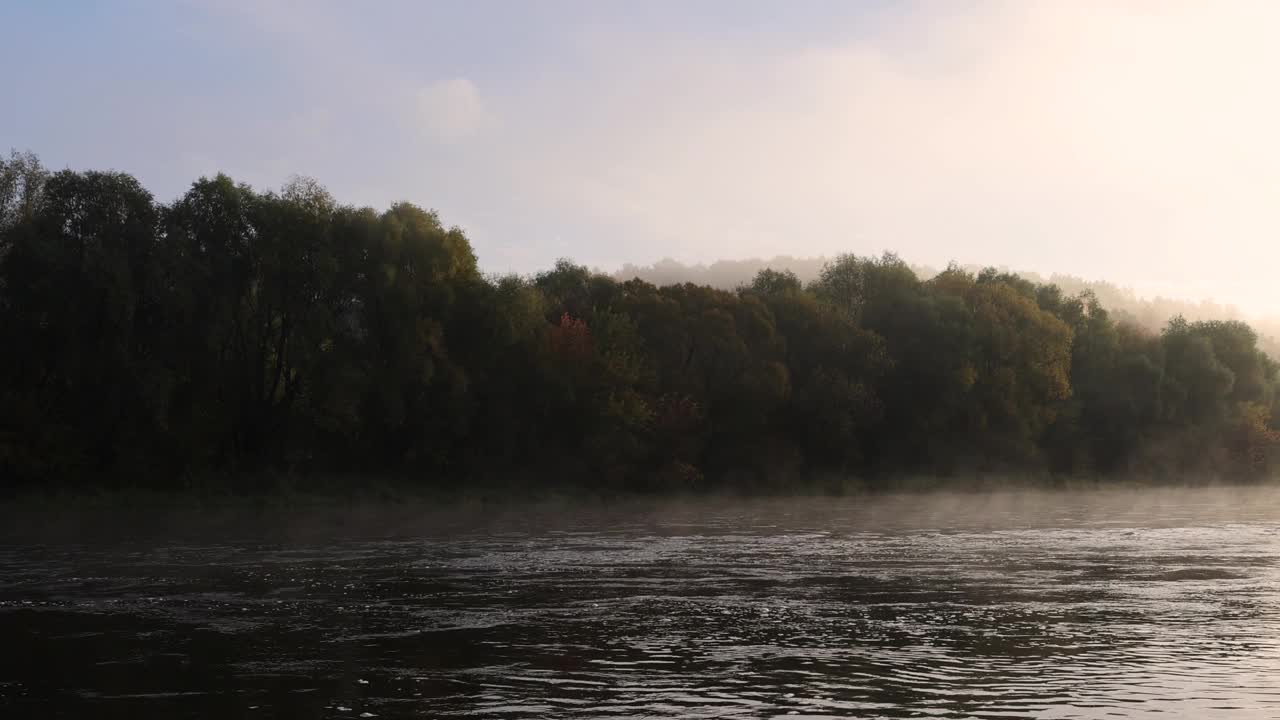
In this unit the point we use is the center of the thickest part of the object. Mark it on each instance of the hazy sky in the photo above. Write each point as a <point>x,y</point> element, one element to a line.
<point>1132,141</point>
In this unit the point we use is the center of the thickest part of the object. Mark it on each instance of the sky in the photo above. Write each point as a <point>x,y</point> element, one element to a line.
<point>1135,141</point>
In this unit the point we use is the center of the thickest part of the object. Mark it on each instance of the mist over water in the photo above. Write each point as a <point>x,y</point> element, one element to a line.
<point>1133,604</point>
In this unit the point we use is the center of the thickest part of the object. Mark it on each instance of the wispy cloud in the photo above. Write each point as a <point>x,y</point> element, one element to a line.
<point>1127,140</point>
<point>452,110</point>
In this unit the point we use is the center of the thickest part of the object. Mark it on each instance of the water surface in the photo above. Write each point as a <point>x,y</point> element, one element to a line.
<point>1149,604</point>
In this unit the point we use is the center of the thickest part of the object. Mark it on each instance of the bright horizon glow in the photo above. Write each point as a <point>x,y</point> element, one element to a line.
<point>1132,142</point>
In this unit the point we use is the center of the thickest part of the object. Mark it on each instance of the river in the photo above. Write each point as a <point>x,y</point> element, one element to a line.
<point>1040,605</point>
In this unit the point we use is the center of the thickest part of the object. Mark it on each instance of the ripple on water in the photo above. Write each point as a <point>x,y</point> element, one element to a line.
<point>787,609</point>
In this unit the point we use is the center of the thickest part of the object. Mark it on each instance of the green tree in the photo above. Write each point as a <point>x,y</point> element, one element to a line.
<point>81,301</point>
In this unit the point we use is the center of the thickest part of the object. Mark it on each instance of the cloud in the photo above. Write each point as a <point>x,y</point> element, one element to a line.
<point>1130,140</point>
<point>1127,140</point>
<point>452,110</point>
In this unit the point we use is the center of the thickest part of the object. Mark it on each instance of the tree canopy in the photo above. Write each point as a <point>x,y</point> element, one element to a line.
<point>236,330</point>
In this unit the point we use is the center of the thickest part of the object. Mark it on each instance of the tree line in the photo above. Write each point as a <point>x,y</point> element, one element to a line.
<point>238,332</point>
<point>1123,303</point>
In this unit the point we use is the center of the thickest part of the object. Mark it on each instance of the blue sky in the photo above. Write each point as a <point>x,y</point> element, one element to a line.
<point>1127,141</point>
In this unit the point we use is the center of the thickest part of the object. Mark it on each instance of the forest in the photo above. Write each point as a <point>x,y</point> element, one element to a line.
<point>239,333</point>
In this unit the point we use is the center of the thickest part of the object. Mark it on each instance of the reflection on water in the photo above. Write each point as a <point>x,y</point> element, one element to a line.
<point>1080,606</point>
